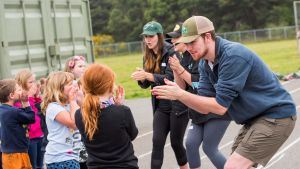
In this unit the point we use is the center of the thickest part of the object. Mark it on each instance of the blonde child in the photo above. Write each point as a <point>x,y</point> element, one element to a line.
<point>59,105</point>
<point>76,66</point>
<point>26,79</point>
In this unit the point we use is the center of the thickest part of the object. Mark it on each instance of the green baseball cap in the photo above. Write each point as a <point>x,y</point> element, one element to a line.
<point>152,28</point>
<point>193,27</point>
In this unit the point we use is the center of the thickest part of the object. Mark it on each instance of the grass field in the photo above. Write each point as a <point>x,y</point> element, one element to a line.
<point>280,56</point>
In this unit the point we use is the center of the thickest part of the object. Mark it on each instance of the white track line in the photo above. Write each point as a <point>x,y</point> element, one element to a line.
<point>284,83</point>
<point>273,161</point>
<point>295,90</point>
<point>144,155</point>
<point>285,149</point>
<point>142,135</point>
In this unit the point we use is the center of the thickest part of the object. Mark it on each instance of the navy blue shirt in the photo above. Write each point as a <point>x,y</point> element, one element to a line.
<point>14,133</point>
<point>192,67</point>
<point>244,84</point>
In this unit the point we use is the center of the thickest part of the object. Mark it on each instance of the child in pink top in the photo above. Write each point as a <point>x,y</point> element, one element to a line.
<point>26,79</point>
<point>35,130</point>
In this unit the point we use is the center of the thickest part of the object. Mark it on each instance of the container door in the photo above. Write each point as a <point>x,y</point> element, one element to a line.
<point>72,30</point>
<point>42,34</point>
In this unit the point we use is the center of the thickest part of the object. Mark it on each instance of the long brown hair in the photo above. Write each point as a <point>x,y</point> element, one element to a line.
<point>152,60</point>
<point>54,88</point>
<point>97,80</point>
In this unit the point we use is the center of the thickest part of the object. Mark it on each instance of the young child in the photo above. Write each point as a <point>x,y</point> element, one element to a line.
<point>26,79</point>
<point>14,134</point>
<point>107,128</point>
<point>59,104</point>
<point>76,66</point>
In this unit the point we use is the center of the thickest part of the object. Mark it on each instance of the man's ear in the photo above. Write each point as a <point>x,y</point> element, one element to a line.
<point>208,35</point>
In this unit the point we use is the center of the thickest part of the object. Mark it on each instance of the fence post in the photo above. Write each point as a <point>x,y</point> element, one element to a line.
<point>240,37</point>
<point>269,34</point>
<point>116,48</point>
<point>129,47</point>
<point>142,46</point>
<point>285,33</point>
<point>104,50</point>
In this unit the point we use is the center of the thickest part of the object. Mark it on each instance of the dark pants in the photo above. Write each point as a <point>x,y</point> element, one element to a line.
<point>35,153</point>
<point>163,123</point>
<point>83,165</point>
<point>0,160</point>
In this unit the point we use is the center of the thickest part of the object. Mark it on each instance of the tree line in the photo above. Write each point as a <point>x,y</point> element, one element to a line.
<point>124,19</point>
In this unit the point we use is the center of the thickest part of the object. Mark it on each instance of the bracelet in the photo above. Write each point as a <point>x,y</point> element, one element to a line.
<point>182,72</point>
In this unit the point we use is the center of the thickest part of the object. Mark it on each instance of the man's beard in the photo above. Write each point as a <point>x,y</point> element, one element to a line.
<point>205,53</point>
<point>202,56</point>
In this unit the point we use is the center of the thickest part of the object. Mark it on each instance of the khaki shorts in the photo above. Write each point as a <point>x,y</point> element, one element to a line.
<point>261,139</point>
<point>16,161</point>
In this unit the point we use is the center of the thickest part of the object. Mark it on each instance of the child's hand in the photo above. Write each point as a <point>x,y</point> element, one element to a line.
<point>80,97</point>
<point>38,90</point>
<point>33,90</point>
<point>119,98</point>
<point>73,93</point>
<point>24,96</point>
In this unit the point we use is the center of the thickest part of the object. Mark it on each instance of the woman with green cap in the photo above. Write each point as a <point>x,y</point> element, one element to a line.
<point>155,70</point>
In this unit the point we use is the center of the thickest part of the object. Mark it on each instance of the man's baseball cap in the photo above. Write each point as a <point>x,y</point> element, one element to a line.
<point>176,33</point>
<point>152,28</point>
<point>193,27</point>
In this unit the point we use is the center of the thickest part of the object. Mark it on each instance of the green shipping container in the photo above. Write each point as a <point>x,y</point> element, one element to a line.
<point>42,34</point>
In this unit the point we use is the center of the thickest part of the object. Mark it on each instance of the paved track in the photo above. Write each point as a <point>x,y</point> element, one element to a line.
<point>286,158</point>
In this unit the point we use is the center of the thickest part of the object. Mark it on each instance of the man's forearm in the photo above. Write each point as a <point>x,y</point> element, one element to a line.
<point>202,104</point>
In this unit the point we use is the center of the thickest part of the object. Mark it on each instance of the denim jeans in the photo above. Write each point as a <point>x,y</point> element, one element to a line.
<point>35,153</point>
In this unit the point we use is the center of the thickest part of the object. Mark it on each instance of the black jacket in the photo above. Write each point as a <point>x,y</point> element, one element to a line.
<point>165,72</point>
<point>111,146</point>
